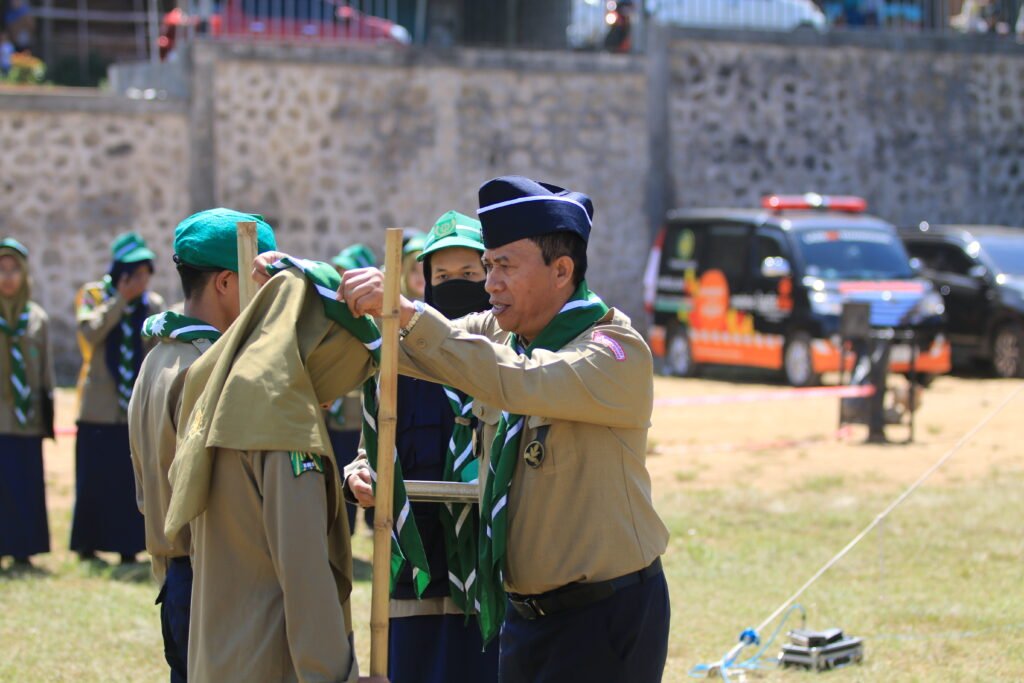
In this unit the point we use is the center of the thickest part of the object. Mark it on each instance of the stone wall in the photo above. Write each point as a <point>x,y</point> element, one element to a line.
<point>924,129</point>
<point>78,169</point>
<point>335,145</point>
<point>334,154</point>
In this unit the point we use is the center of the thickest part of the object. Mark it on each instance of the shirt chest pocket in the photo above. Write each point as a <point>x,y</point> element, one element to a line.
<point>548,447</point>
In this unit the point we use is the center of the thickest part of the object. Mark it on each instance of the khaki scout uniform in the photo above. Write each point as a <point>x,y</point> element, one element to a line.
<point>38,372</point>
<point>97,319</point>
<point>153,418</point>
<point>272,562</point>
<point>584,513</point>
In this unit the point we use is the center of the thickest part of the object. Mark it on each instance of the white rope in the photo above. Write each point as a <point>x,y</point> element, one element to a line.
<point>877,520</point>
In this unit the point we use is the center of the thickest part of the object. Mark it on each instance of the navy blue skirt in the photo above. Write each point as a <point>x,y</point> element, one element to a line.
<point>106,515</point>
<point>439,649</point>
<point>23,526</point>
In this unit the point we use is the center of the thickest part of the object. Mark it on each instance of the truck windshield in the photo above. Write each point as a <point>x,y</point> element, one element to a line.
<point>853,254</point>
<point>1007,252</point>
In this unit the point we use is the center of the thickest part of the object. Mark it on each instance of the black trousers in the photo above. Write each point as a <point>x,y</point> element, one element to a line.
<point>175,602</point>
<point>619,639</point>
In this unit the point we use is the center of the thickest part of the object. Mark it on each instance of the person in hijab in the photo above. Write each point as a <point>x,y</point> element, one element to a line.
<point>413,281</point>
<point>431,638</point>
<point>26,409</point>
<point>344,416</point>
<point>110,316</point>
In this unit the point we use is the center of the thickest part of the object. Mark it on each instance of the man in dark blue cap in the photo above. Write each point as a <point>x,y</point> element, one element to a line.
<point>564,388</point>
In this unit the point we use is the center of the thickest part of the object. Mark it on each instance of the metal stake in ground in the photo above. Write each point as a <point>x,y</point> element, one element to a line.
<point>386,422</point>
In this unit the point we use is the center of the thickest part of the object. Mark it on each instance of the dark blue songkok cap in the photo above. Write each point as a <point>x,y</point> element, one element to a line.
<point>513,208</point>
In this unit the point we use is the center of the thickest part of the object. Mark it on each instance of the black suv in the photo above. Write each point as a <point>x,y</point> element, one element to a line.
<point>979,270</point>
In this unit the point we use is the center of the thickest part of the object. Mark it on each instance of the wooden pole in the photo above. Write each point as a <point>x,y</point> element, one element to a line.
<point>247,250</point>
<point>386,422</point>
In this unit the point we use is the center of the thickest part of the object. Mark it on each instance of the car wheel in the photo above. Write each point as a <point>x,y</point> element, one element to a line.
<point>797,362</point>
<point>1006,351</point>
<point>678,354</point>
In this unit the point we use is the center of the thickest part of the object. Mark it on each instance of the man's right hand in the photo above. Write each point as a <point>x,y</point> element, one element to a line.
<point>360,484</point>
<point>362,289</point>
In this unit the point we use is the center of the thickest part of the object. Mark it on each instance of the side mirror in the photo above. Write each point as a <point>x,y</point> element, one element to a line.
<point>775,267</point>
<point>978,272</point>
<point>916,266</point>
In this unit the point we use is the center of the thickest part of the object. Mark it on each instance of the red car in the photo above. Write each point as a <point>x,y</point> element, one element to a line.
<point>285,20</point>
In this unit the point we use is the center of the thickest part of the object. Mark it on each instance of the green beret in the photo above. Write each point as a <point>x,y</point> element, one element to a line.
<point>130,248</point>
<point>356,256</point>
<point>453,229</point>
<point>14,245</point>
<point>209,239</point>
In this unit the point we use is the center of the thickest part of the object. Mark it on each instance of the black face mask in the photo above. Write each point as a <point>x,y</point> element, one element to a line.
<point>457,298</point>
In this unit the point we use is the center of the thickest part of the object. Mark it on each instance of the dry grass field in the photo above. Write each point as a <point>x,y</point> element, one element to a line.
<point>757,496</point>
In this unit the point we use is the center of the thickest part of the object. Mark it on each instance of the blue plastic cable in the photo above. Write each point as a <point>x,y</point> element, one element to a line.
<point>748,637</point>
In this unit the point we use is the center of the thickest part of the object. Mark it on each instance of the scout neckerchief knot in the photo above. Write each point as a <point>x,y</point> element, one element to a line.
<point>171,325</point>
<point>127,367</point>
<point>457,520</point>
<point>19,377</point>
<point>581,311</point>
<point>406,543</point>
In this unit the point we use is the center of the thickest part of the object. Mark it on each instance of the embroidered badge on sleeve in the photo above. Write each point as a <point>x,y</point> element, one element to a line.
<point>306,462</point>
<point>616,348</point>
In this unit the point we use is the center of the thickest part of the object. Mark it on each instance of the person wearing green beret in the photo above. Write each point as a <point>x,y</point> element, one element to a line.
<point>344,416</point>
<point>355,256</point>
<point>413,281</point>
<point>110,313</point>
<point>206,254</point>
<point>431,638</point>
<point>26,409</point>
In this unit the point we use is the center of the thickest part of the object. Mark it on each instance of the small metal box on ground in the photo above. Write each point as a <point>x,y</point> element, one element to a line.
<point>821,650</point>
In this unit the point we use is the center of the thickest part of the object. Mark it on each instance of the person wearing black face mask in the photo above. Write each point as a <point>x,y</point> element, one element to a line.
<point>431,641</point>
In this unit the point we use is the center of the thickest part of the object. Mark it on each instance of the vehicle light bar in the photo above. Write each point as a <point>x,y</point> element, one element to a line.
<point>844,203</point>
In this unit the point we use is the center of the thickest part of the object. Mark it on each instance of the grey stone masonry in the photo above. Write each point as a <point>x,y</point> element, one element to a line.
<point>334,145</point>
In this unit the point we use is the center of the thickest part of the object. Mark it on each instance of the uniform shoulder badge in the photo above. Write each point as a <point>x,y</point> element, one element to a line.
<point>616,347</point>
<point>306,462</point>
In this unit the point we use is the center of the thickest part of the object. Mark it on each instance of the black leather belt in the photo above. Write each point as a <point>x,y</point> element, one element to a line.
<point>577,595</point>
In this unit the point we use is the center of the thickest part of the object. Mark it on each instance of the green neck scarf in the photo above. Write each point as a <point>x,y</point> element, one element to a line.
<point>457,521</point>
<point>406,546</point>
<point>15,333</point>
<point>171,325</point>
<point>582,310</point>
<point>125,375</point>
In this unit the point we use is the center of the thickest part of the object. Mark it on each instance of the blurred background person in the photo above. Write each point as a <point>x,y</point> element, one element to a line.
<point>110,315</point>
<point>413,283</point>
<point>26,409</point>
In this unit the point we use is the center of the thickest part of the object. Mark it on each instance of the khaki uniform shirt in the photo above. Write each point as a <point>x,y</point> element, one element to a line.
<point>272,562</point>
<point>39,372</point>
<point>96,319</point>
<point>585,513</point>
<point>265,599</point>
<point>153,419</point>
